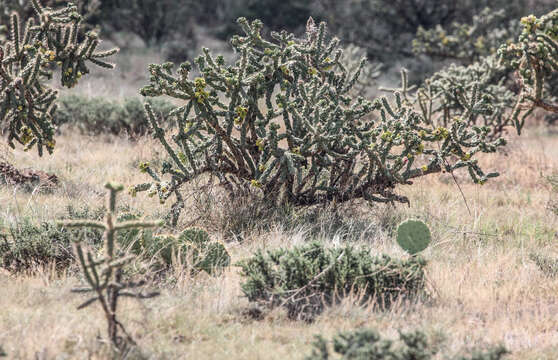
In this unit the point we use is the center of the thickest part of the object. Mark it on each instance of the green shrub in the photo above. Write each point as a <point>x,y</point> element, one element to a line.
<point>367,344</point>
<point>284,119</point>
<point>307,278</point>
<point>26,247</point>
<point>99,115</point>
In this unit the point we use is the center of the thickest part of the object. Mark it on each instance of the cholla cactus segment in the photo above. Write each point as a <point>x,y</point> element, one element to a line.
<point>413,236</point>
<point>285,119</point>
<point>486,78</point>
<point>104,275</point>
<point>534,57</point>
<point>27,59</point>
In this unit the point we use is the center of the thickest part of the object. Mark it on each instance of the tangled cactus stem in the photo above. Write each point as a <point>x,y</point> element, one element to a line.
<point>413,236</point>
<point>105,275</point>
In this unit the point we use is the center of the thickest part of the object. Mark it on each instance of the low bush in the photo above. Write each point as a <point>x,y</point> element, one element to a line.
<point>99,115</point>
<point>27,246</point>
<point>365,344</point>
<point>307,278</point>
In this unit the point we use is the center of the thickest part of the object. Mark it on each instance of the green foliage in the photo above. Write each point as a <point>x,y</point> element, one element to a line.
<point>413,236</point>
<point>284,119</point>
<point>277,15</point>
<point>104,275</point>
<point>307,278</point>
<point>27,57</point>
<point>26,247</point>
<point>366,344</point>
<point>99,115</point>
<point>535,58</point>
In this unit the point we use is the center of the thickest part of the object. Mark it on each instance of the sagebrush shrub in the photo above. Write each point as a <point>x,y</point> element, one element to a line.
<point>27,247</point>
<point>367,344</point>
<point>307,278</point>
<point>99,115</point>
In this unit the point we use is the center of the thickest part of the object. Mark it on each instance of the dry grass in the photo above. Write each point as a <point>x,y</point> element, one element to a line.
<point>485,288</point>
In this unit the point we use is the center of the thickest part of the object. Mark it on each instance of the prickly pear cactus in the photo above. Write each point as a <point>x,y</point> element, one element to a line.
<point>192,245</point>
<point>413,236</point>
<point>206,255</point>
<point>195,236</point>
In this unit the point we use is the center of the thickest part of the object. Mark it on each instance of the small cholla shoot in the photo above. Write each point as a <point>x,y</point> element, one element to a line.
<point>535,58</point>
<point>104,275</point>
<point>284,119</point>
<point>28,58</point>
<point>413,236</point>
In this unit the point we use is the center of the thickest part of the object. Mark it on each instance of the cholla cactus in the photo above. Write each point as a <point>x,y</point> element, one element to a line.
<point>467,43</point>
<point>282,119</point>
<point>534,57</point>
<point>105,275</point>
<point>351,58</point>
<point>487,77</point>
<point>27,58</point>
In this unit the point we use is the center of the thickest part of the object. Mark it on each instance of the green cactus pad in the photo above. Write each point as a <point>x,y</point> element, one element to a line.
<point>214,258</point>
<point>413,236</point>
<point>196,236</point>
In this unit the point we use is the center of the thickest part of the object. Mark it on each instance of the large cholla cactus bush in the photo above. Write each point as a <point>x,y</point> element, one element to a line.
<point>28,58</point>
<point>282,119</point>
<point>535,58</point>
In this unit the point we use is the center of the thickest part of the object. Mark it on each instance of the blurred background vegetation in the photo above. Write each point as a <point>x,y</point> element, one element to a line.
<point>384,28</point>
